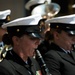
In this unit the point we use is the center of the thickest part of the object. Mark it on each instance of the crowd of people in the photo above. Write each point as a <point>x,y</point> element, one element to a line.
<point>54,38</point>
<point>57,47</point>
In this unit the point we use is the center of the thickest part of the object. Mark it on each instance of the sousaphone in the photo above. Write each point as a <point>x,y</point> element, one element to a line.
<point>46,10</point>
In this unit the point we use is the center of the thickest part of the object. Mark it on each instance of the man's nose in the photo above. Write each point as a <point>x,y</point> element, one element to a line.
<point>37,42</point>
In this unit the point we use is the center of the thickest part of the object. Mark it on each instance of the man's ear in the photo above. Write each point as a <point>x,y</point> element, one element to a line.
<point>15,40</point>
<point>56,35</point>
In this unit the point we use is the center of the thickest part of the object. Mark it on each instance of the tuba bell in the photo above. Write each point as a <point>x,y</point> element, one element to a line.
<point>46,10</point>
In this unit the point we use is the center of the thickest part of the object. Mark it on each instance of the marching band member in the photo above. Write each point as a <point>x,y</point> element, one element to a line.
<point>60,59</point>
<point>24,36</point>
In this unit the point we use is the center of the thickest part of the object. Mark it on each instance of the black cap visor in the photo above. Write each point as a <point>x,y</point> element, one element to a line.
<point>35,35</point>
<point>33,31</point>
<point>69,28</point>
<point>71,32</point>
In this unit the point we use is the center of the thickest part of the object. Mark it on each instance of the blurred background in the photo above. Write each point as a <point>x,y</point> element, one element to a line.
<point>18,9</point>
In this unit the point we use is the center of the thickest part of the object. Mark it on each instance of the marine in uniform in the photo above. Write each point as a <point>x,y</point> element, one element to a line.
<point>60,59</point>
<point>24,36</point>
<point>4,18</point>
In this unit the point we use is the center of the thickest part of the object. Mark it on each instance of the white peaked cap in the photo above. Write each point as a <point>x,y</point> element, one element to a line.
<point>30,20</point>
<point>69,19</point>
<point>33,2</point>
<point>3,14</point>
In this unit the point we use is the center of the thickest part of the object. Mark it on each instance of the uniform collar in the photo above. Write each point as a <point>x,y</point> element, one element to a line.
<point>66,51</point>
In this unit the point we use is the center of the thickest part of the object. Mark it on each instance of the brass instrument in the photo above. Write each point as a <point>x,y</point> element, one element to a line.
<point>3,51</point>
<point>46,10</point>
<point>1,48</point>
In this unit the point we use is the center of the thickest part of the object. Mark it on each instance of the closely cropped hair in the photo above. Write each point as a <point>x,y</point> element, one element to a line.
<point>6,39</point>
<point>52,30</point>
